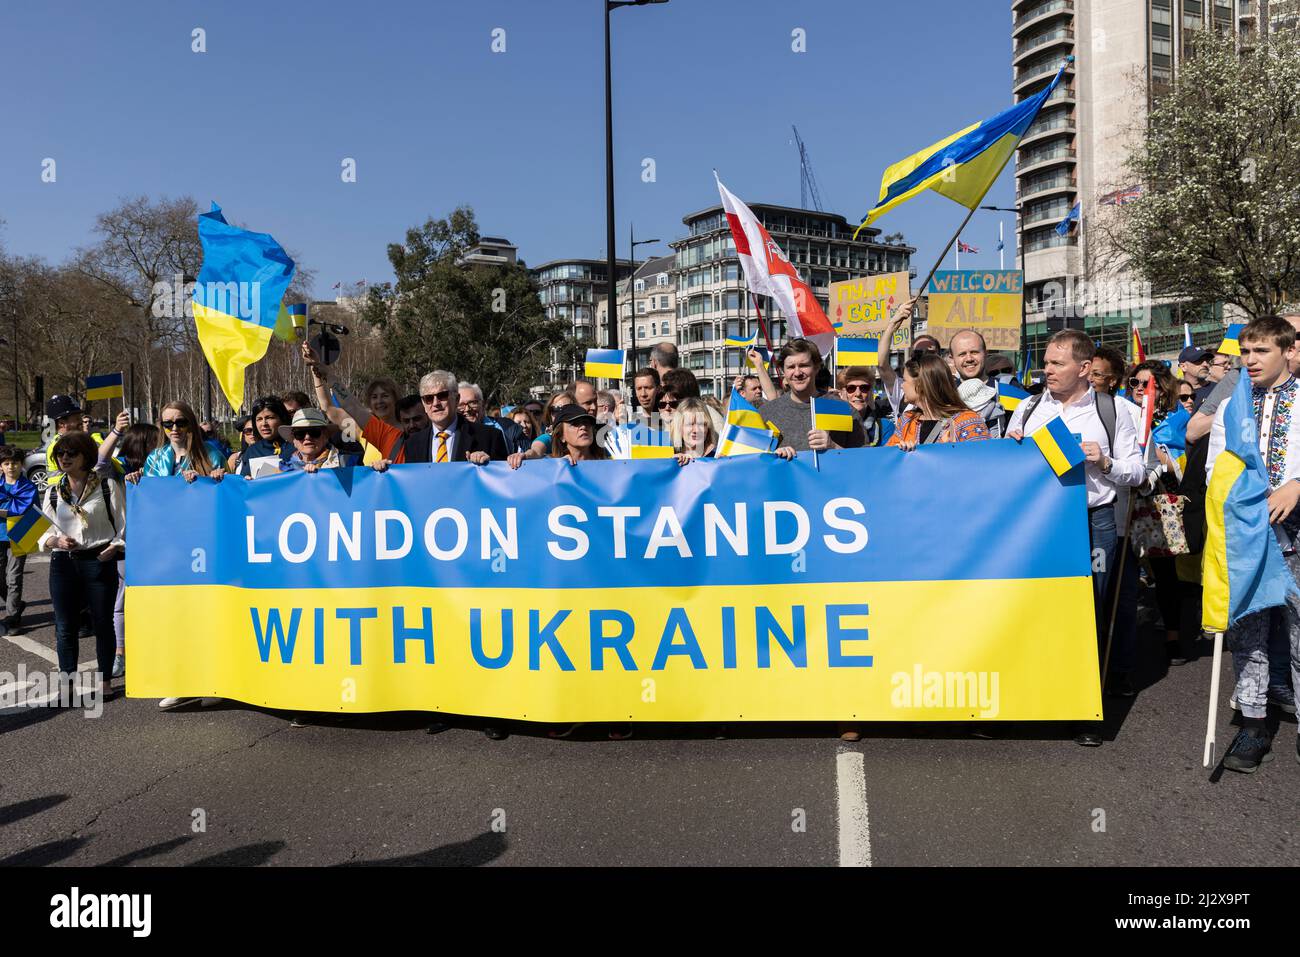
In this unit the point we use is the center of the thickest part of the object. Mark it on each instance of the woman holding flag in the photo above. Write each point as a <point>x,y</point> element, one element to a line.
<point>936,411</point>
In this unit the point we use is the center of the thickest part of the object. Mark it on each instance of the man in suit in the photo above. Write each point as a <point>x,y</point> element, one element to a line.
<point>471,407</point>
<point>450,437</point>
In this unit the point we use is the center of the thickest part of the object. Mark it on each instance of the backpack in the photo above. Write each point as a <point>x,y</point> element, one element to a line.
<point>53,491</point>
<point>1105,403</point>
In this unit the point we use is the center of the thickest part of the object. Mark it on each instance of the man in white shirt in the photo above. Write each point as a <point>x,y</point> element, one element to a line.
<point>1266,645</point>
<point>1110,450</point>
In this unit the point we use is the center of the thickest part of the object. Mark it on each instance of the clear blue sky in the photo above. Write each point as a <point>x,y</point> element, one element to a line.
<point>434,118</point>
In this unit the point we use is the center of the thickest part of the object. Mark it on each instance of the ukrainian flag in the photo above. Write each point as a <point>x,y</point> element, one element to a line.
<point>1010,396</point>
<point>237,298</point>
<point>1058,446</point>
<point>742,343</point>
<point>605,363</point>
<point>291,318</point>
<point>742,412</point>
<point>964,165</point>
<point>832,415</point>
<point>1243,570</point>
<point>738,440</point>
<point>25,533</point>
<point>856,352</point>
<point>1230,346</point>
<point>104,386</point>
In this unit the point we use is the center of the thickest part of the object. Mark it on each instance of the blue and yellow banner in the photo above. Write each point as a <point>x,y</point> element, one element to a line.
<point>748,589</point>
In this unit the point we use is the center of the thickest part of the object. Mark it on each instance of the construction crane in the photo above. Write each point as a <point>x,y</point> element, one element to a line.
<point>807,179</point>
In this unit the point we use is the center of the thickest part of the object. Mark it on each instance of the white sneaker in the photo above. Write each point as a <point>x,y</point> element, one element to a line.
<point>167,704</point>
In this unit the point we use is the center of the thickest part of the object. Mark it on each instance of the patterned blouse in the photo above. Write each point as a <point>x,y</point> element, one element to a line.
<point>1274,412</point>
<point>967,426</point>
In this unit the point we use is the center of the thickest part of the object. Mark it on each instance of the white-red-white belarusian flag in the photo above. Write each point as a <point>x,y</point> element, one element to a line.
<point>769,273</point>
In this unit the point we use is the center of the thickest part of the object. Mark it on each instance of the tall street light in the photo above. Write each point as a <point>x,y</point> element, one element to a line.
<point>611,298</point>
<point>1020,248</point>
<point>633,242</point>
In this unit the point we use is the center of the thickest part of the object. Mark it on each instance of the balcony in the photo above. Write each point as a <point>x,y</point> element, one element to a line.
<point>1063,154</point>
<point>1062,122</point>
<point>1033,74</point>
<point>1041,41</point>
<point>1057,184</point>
<point>1041,12</point>
<point>1046,216</point>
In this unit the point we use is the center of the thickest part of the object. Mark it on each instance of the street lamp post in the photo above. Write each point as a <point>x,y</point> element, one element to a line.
<point>633,242</point>
<point>609,173</point>
<point>1020,248</point>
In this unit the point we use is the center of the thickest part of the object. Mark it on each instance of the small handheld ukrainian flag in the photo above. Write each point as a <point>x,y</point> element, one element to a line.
<point>291,323</point>
<point>738,440</point>
<point>856,352</point>
<point>742,412</point>
<point>652,451</point>
<point>605,363</point>
<point>1058,446</point>
<point>1230,346</point>
<point>752,340</point>
<point>832,415</point>
<point>1010,396</point>
<point>25,534</point>
<point>104,386</point>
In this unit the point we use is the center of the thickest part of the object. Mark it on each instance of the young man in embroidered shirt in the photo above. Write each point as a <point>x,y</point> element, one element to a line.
<point>1266,645</point>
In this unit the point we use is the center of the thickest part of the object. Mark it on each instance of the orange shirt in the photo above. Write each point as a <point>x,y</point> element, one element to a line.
<point>384,437</point>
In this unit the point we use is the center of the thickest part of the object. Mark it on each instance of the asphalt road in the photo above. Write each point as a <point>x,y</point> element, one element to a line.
<point>129,786</point>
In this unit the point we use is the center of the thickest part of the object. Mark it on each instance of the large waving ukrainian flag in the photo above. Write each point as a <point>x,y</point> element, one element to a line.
<point>964,165</point>
<point>1243,570</point>
<point>237,298</point>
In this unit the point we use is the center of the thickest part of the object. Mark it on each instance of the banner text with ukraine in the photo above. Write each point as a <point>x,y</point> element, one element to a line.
<point>949,583</point>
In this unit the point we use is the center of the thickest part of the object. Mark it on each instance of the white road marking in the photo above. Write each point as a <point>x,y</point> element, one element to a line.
<point>851,801</point>
<point>34,647</point>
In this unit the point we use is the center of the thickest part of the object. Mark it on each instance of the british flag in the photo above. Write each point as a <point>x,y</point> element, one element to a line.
<point>966,247</point>
<point>1119,197</point>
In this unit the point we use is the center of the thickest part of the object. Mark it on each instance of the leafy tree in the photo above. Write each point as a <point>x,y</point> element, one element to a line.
<point>485,323</point>
<point>1219,216</point>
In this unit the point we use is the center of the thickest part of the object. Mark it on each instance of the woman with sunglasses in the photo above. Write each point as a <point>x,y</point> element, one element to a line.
<point>1186,396</point>
<point>857,387</point>
<point>247,436</point>
<point>87,510</point>
<point>541,445</point>
<point>268,415</point>
<point>184,452</point>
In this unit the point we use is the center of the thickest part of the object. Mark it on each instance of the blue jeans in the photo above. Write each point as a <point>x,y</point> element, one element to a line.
<point>1103,542</point>
<point>77,583</point>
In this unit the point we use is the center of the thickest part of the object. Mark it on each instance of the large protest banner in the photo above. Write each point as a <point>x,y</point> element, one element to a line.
<point>865,304</point>
<point>949,583</point>
<point>986,300</point>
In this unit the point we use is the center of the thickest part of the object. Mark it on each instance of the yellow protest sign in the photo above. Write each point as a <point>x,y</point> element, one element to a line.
<point>864,305</point>
<point>986,300</point>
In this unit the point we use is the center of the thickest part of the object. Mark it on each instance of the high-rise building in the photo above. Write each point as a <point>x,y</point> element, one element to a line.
<point>569,289</point>
<point>712,301</point>
<point>1127,53</point>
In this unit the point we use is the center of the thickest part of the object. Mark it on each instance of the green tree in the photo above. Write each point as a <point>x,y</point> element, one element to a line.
<point>1219,217</point>
<point>485,323</point>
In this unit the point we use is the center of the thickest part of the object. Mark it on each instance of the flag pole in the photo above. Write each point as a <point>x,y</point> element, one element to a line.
<point>943,252</point>
<point>761,325</point>
<point>1208,758</point>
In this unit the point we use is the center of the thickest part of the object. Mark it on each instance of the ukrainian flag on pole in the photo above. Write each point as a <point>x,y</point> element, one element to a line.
<point>1230,346</point>
<point>604,363</point>
<point>832,415</point>
<point>738,440</point>
<point>104,386</point>
<point>1243,570</point>
<point>856,352</point>
<point>237,298</point>
<point>964,165</point>
<point>742,412</point>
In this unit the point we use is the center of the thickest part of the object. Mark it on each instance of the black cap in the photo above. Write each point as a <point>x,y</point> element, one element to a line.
<point>1195,354</point>
<point>60,406</point>
<point>571,413</point>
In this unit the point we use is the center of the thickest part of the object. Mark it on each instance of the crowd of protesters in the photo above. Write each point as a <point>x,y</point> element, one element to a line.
<point>934,396</point>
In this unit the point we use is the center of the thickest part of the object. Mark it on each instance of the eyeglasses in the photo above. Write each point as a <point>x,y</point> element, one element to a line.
<point>433,397</point>
<point>311,433</point>
<point>854,387</point>
<point>66,453</point>
<point>1136,383</point>
<point>171,425</point>
<point>668,403</point>
<point>249,431</point>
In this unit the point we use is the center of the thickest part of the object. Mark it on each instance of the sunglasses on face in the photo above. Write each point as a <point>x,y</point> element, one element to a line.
<point>249,430</point>
<point>668,404</point>
<point>171,425</point>
<point>853,388</point>
<point>66,453</point>
<point>309,433</point>
<point>1138,383</point>
<point>433,397</point>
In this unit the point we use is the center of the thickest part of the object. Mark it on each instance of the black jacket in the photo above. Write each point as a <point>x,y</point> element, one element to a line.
<point>469,438</point>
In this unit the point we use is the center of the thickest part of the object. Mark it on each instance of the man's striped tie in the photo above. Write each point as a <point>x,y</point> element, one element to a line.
<point>442,447</point>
